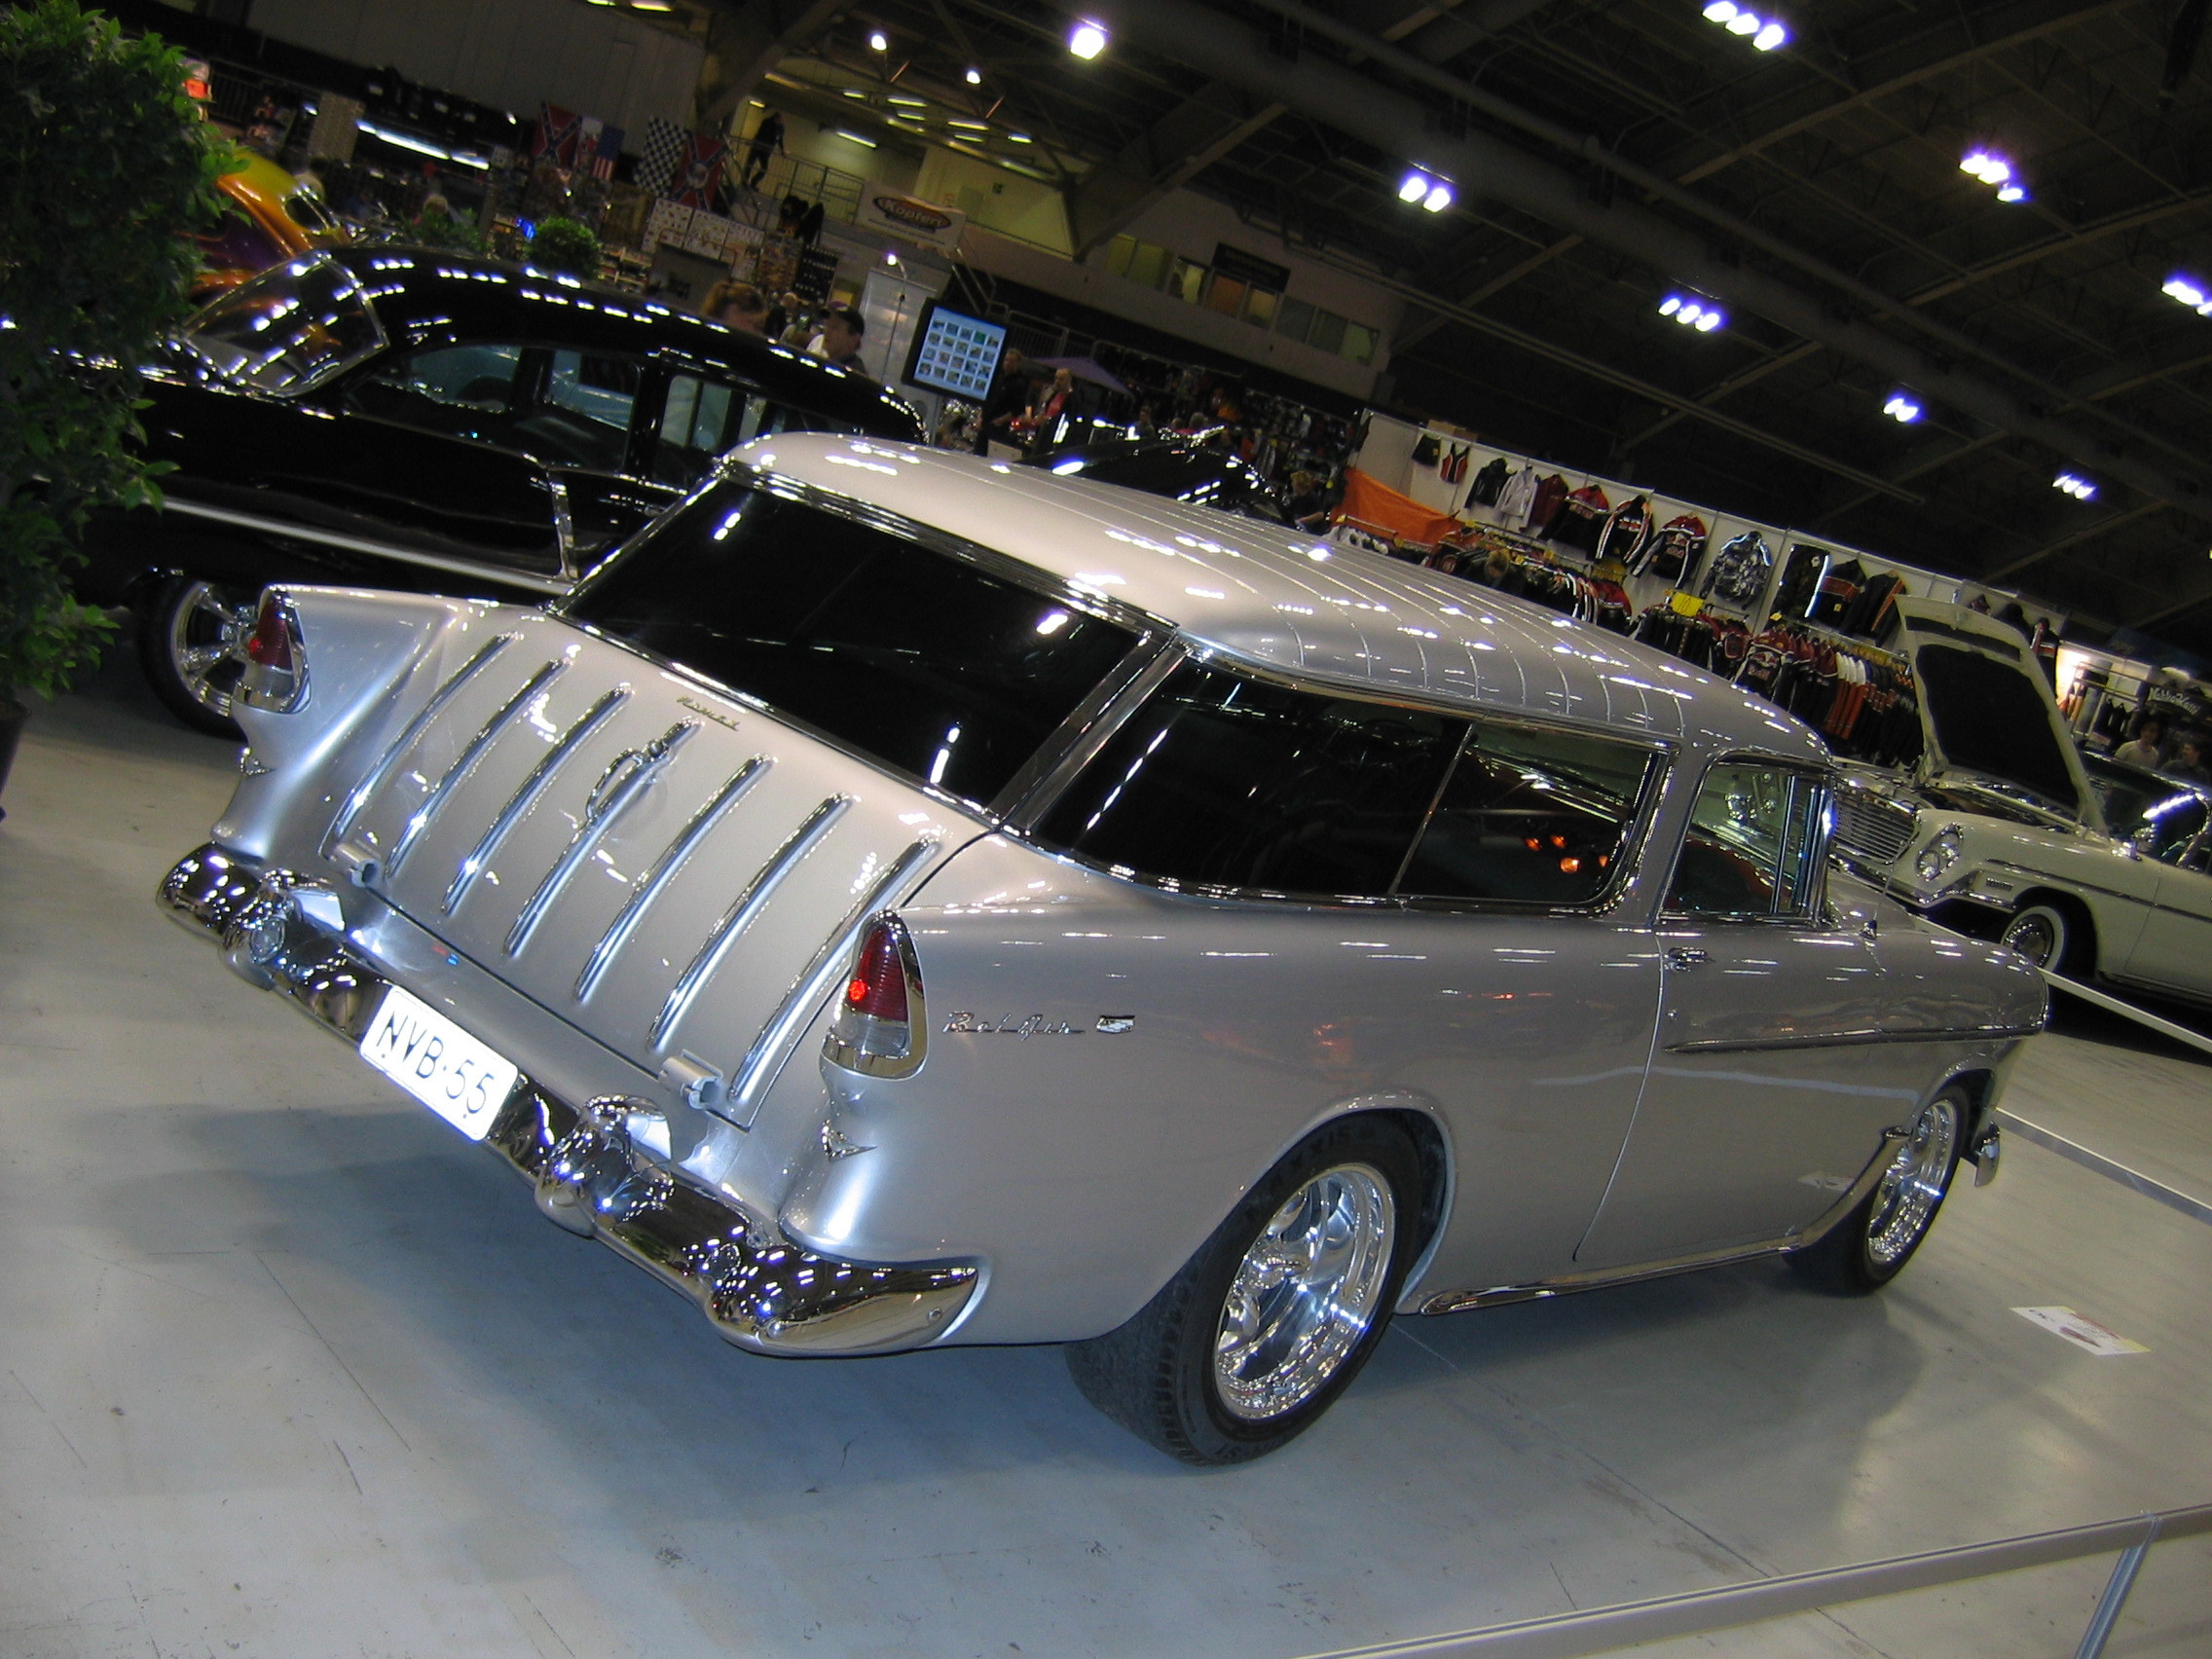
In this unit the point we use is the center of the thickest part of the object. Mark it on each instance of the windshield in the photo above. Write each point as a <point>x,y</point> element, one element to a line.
<point>2160,817</point>
<point>289,329</point>
<point>1991,717</point>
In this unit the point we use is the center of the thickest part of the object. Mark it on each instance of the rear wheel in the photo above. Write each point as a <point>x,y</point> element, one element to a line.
<point>192,644</point>
<point>1870,1246</point>
<point>1272,1317</point>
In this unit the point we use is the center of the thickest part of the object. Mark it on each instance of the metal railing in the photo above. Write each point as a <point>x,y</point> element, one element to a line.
<point>1604,1630</point>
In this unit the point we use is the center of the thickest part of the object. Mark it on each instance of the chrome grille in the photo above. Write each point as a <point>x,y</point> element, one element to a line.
<point>1872,828</point>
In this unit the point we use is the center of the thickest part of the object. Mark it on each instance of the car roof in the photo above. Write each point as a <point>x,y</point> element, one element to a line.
<point>1293,602</point>
<point>427,294</point>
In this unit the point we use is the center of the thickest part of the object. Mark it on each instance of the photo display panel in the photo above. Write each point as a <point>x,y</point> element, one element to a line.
<point>956,353</point>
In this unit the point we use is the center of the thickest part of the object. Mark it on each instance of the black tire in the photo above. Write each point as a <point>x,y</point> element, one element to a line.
<point>191,644</point>
<point>1872,1245</point>
<point>1158,1376</point>
<point>2052,936</point>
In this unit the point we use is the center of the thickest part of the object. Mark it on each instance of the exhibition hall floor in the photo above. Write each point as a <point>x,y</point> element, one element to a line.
<point>288,1369</point>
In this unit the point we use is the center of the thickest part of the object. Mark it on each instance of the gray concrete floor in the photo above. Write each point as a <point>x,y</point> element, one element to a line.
<point>287,1368</point>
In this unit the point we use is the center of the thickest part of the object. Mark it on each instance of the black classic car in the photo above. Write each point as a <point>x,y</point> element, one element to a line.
<point>1179,468</point>
<point>402,418</point>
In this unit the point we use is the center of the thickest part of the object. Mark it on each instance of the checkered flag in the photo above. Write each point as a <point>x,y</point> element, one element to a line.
<point>666,146</point>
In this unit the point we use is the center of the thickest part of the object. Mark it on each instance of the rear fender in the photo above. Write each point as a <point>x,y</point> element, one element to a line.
<point>372,660</point>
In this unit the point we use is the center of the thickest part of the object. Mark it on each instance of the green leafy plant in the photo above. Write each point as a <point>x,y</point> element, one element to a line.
<point>433,229</point>
<point>565,244</point>
<point>105,166</point>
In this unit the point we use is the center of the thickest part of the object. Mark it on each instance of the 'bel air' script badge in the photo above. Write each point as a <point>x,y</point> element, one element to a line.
<point>1032,1026</point>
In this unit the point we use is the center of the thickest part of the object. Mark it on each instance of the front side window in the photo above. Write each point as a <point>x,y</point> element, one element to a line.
<point>289,329</point>
<point>926,663</point>
<point>1753,845</point>
<point>462,392</point>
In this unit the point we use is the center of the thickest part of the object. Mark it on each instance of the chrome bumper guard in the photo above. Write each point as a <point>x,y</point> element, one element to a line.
<point>759,1290</point>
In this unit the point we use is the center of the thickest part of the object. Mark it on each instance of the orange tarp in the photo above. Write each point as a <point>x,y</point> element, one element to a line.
<point>1377,508</point>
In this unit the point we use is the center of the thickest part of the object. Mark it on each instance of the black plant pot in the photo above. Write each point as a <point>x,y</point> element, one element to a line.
<point>12,715</point>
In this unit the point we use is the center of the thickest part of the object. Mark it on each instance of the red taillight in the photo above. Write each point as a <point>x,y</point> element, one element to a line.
<point>878,986</point>
<point>879,1028</point>
<point>271,642</point>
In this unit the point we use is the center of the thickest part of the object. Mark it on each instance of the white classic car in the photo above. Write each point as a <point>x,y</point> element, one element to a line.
<point>2089,869</point>
<point>901,898</point>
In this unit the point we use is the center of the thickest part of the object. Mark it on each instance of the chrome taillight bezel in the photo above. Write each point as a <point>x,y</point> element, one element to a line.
<point>880,1048</point>
<point>277,690</point>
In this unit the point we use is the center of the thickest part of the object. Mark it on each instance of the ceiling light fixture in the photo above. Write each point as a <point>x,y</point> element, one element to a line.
<point>975,77</point>
<point>1414,186</point>
<point>1019,138</point>
<point>1693,312</point>
<point>2075,485</point>
<point>1903,408</point>
<point>1431,192</point>
<point>1766,34</point>
<point>1438,199</point>
<point>2190,292</point>
<point>1087,39</point>
<point>854,138</point>
<point>878,41</point>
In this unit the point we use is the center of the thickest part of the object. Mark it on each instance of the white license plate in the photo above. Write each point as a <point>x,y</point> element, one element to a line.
<point>463,1080</point>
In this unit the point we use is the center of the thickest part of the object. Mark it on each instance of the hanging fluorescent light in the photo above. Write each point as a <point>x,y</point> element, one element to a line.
<point>2080,488</point>
<point>2012,193</point>
<point>1691,311</point>
<point>1414,186</point>
<point>975,77</point>
<point>1988,168</point>
<point>1720,11</point>
<point>1087,39</point>
<point>1773,37</point>
<point>2189,292</point>
<point>1903,408</point>
<point>1672,303</point>
<point>1438,199</point>
<point>878,41</point>
<point>1019,138</point>
<point>854,138</point>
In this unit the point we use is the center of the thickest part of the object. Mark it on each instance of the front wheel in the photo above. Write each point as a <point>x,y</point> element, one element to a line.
<point>192,644</point>
<point>2043,934</point>
<point>1870,1246</point>
<point>1272,1317</point>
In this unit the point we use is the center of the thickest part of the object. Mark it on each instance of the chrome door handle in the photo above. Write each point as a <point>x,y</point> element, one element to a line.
<point>1686,956</point>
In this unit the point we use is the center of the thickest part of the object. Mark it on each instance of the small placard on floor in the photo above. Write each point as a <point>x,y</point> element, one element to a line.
<point>2082,1332</point>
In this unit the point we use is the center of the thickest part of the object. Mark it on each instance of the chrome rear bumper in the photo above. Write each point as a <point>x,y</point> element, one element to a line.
<point>761,1291</point>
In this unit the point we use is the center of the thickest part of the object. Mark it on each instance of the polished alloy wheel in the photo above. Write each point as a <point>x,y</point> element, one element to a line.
<point>207,629</point>
<point>1913,1184</point>
<point>1306,1292</point>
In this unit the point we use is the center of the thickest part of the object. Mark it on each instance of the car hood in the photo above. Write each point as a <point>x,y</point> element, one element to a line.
<point>1990,726</point>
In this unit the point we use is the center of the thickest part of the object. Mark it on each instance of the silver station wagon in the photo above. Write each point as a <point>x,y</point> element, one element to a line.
<point>901,900</point>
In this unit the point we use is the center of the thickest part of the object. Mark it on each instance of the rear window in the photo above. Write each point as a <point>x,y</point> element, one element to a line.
<point>1225,783</point>
<point>928,664</point>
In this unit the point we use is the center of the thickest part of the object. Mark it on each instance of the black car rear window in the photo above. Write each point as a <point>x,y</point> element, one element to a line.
<point>923,661</point>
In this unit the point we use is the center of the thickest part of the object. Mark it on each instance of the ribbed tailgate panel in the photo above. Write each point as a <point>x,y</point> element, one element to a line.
<point>668,870</point>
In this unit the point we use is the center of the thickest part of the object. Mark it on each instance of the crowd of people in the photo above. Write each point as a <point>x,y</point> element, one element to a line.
<point>832,332</point>
<point>2177,753</point>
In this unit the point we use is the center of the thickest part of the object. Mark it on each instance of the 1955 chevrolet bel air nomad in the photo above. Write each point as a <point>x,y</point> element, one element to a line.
<point>903,900</point>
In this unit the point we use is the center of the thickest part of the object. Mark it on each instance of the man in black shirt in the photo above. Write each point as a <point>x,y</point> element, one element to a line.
<point>1009,398</point>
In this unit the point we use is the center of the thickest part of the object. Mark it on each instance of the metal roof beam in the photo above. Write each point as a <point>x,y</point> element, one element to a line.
<point>742,44</point>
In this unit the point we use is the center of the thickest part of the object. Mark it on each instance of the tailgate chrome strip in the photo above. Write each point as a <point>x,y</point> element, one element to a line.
<point>419,820</point>
<point>680,850</point>
<point>803,840</point>
<point>533,787</point>
<point>377,774</point>
<point>764,1062</point>
<point>599,813</point>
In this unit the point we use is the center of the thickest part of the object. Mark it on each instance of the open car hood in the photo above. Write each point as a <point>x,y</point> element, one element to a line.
<point>1989,722</point>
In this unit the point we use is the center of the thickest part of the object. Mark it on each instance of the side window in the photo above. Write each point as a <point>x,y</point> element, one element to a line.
<point>1753,842</point>
<point>601,389</point>
<point>695,426</point>
<point>462,392</point>
<point>1531,816</point>
<point>1223,781</point>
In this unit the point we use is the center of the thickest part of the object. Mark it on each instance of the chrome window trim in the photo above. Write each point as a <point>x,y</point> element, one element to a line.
<point>553,586</point>
<point>1178,651</point>
<point>1814,915</point>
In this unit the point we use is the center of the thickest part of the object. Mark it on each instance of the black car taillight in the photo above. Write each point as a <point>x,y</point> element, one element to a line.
<point>879,1028</point>
<point>275,675</point>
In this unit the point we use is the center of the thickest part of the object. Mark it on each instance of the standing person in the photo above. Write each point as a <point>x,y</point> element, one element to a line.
<point>800,329</point>
<point>1044,417</point>
<point>2187,763</point>
<point>767,143</point>
<point>1009,397</point>
<point>737,305</point>
<point>781,315</point>
<point>2148,746</point>
<point>839,342</point>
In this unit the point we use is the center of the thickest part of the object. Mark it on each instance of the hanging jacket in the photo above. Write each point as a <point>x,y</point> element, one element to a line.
<point>1426,449</point>
<point>1489,482</point>
<point>1873,603</point>
<point>1625,532</point>
<point>1518,497</point>
<point>1800,580</point>
<point>1544,506</point>
<point>1840,591</point>
<point>1738,570</point>
<point>1673,551</point>
<point>1581,519</point>
<point>1454,466</point>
